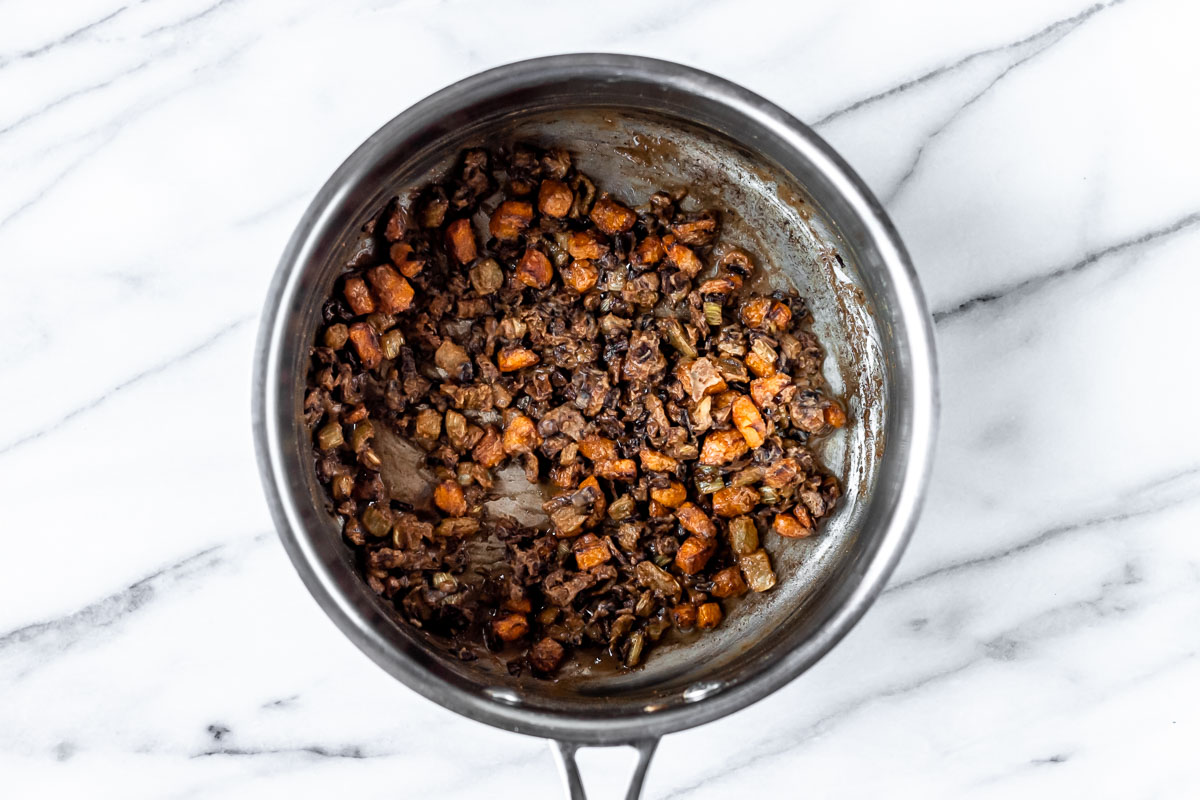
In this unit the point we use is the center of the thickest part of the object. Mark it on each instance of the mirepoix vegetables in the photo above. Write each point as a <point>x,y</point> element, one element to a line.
<point>516,318</point>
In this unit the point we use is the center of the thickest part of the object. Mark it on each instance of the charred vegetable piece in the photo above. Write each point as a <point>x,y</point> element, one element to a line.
<point>735,501</point>
<point>513,358</point>
<point>653,461</point>
<point>790,526</point>
<point>611,217</point>
<point>708,616</point>
<point>511,627</point>
<point>535,270</point>
<point>749,421</point>
<point>546,655</point>
<point>729,583</point>
<point>694,553</point>
<point>693,520</point>
<point>358,295</point>
<point>555,198</point>
<point>460,240</point>
<point>521,435</point>
<point>721,447</point>
<point>510,220</point>
<point>366,344</point>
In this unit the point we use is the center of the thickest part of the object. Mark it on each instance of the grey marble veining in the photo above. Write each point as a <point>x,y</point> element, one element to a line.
<point>1039,159</point>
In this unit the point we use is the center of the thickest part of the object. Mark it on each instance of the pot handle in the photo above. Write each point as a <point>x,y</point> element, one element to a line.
<point>564,756</point>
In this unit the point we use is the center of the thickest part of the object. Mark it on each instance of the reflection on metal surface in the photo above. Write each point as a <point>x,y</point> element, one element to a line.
<point>502,695</point>
<point>698,691</point>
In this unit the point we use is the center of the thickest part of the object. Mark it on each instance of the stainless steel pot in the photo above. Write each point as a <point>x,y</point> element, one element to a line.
<point>637,124</point>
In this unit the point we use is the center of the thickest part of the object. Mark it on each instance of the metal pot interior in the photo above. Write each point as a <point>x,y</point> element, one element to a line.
<point>801,235</point>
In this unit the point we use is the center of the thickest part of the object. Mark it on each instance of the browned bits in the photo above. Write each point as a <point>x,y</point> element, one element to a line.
<point>749,421</point>
<point>654,461</point>
<point>729,583</point>
<point>693,520</point>
<point>554,198</point>
<point>366,344</point>
<point>590,551</point>
<point>756,566</point>
<point>617,469</point>
<point>546,655</point>
<point>358,296</point>
<point>514,357</point>
<point>460,241</point>
<point>612,217</point>
<point>534,269</point>
<point>735,501</point>
<point>586,245</point>
<point>490,450</point>
<point>694,553</point>
<point>449,497</point>
<point>788,525</point>
<point>684,259</point>
<point>708,616</point>
<point>521,435</point>
<point>510,220</point>
<point>511,627</point>
<point>580,275</point>
<point>674,416</point>
<point>721,447</point>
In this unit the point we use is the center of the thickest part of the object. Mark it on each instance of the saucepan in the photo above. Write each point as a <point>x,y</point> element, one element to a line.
<point>636,125</point>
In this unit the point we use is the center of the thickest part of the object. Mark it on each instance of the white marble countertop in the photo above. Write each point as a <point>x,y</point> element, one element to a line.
<point>1040,160</point>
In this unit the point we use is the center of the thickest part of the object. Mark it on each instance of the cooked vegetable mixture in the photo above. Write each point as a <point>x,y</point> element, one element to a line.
<point>515,317</point>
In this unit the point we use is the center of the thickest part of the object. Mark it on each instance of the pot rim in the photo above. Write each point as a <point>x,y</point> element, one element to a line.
<point>921,421</point>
